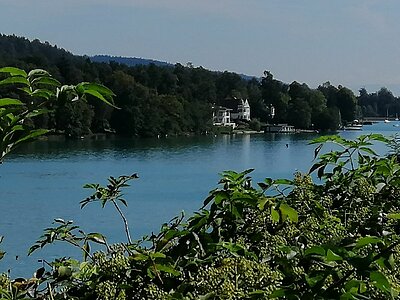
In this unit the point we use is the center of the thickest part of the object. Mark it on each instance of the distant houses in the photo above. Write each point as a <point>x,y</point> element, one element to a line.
<point>230,111</point>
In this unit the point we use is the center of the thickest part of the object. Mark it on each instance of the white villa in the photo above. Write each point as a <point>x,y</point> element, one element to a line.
<point>231,110</point>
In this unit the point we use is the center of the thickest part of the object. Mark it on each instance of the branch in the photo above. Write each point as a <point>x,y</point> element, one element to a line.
<point>124,220</point>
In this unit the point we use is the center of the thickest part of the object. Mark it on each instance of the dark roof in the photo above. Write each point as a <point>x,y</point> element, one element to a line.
<point>230,103</point>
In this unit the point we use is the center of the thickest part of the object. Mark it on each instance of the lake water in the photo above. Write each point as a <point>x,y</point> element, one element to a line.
<point>44,181</point>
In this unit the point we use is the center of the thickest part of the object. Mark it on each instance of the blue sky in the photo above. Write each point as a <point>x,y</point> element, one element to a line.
<point>350,42</point>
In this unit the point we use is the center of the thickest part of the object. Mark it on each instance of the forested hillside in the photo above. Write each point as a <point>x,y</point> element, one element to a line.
<point>129,61</point>
<point>157,100</point>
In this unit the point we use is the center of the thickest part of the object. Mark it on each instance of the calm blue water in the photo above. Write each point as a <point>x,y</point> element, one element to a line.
<point>44,181</point>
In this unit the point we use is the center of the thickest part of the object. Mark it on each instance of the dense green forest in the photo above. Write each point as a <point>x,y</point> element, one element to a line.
<point>157,100</point>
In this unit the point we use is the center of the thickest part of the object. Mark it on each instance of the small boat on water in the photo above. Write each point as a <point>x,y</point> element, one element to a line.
<point>387,117</point>
<point>355,125</point>
<point>280,128</point>
<point>352,127</point>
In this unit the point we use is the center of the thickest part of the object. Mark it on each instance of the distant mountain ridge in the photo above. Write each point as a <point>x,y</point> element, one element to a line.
<point>129,61</point>
<point>136,61</point>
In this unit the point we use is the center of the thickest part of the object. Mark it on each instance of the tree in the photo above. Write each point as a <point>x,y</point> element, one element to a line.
<point>368,103</point>
<point>330,92</point>
<point>386,102</point>
<point>299,111</point>
<point>227,83</point>
<point>259,109</point>
<point>274,94</point>
<point>347,104</point>
<point>327,120</point>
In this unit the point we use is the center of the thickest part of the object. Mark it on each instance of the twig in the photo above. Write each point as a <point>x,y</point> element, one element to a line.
<point>124,220</point>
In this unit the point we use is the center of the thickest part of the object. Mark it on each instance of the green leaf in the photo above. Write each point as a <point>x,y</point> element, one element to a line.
<point>38,72</point>
<point>167,269</point>
<point>316,150</point>
<point>33,134</point>
<point>46,81</point>
<point>99,96</point>
<point>326,138</point>
<point>125,286</point>
<point>15,80</point>
<point>237,212</point>
<point>283,181</point>
<point>332,256</point>
<point>64,271</point>
<point>208,296</point>
<point>42,93</point>
<point>279,293</point>
<point>245,172</point>
<point>10,101</point>
<point>355,286</point>
<point>36,113</point>
<point>26,90</point>
<point>314,280</point>
<point>220,196</point>
<point>321,171</point>
<point>157,255</point>
<point>257,294</point>
<point>368,240</point>
<point>275,215</point>
<point>395,216</point>
<point>208,199</point>
<point>96,87</point>
<point>268,181</point>
<point>315,250</point>
<point>386,262</point>
<point>263,186</point>
<point>380,186</point>
<point>238,250</point>
<point>150,272</point>
<point>32,249</point>
<point>13,71</point>
<point>315,167</point>
<point>378,137</point>
<point>380,281</point>
<point>91,186</point>
<point>291,213</point>
<point>368,150</point>
<point>140,257</point>
<point>86,251</point>
<point>97,238</point>
<point>123,201</point>
<point>17,128</point>
<point>172,233</point>
<point>262,202</point>
<point>384,170</point>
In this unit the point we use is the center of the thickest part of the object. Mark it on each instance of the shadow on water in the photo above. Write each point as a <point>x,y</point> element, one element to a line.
<point>59,148</point>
